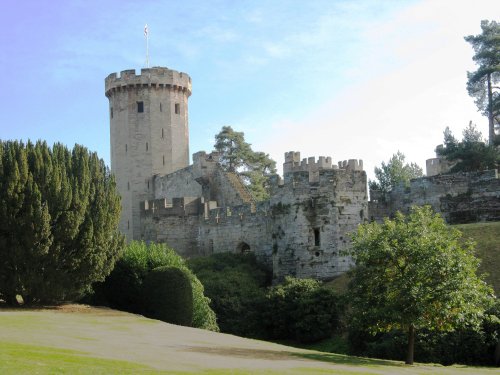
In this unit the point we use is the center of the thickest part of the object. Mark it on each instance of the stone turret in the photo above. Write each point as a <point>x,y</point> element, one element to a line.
<point>149,134</point>
<point>294,164</point>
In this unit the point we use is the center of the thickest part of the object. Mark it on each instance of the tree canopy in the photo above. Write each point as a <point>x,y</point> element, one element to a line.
<point>59,211</point>
<point>237,156</point>
<point>481,84</point>
<point>393,173</point>
<point>414,273</point>
<point>471,153</point>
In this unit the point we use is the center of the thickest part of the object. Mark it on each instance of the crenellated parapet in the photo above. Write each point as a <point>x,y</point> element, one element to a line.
<point>184,206</point>
<point>351,164</point>
<point>293,164</point>
<point>158,77</point>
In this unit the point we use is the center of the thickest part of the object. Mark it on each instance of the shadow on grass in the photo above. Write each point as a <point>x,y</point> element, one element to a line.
<point>333,358</point>
<point>341,359</point>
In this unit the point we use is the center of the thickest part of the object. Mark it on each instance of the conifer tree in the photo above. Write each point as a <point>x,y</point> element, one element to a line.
<point>59,212</point>
<point>237,156</point>
<point>481,84</point>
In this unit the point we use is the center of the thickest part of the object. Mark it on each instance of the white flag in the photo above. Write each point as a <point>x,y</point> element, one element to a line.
<point>146,30</point>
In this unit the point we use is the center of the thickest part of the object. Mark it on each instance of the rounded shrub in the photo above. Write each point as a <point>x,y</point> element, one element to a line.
<point>123,289</point>
<point>168,296</point>
<point>303,310</point>
<point>236,285</point>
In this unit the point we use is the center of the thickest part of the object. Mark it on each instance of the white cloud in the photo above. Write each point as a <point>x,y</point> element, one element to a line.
<point>407,89</point>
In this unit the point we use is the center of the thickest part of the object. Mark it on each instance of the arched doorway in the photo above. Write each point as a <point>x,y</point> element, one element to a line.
<point>243,248</point>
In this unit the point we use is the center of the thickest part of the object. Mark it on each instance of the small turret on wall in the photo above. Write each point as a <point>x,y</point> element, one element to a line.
<point>438,165</point>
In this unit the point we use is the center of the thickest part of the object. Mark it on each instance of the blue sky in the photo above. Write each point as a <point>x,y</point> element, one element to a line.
<point>347,79</point>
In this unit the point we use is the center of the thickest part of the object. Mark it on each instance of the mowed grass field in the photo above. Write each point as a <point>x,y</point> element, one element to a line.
<point>82,340</point>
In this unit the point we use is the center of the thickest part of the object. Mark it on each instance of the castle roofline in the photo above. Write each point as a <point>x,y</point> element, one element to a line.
<point>149,77</point>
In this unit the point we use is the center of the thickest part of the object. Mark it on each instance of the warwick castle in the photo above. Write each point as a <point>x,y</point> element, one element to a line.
<point>200,209</point>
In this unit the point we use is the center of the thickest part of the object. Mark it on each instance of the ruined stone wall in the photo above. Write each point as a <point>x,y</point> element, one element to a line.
<point>459,197</point>
<point>312,222</point>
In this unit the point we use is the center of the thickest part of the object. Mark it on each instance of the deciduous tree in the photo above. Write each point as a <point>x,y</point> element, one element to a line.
<point>414,273</point>
<point>396,171</point>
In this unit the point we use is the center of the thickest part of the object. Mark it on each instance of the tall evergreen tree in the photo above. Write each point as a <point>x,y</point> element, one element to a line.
<point>471,153</point>
<point>481,84</point>
<point>59,212</point>
<point>237,156</point>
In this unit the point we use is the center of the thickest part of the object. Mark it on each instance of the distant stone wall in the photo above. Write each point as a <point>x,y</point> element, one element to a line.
<point>459,197</point>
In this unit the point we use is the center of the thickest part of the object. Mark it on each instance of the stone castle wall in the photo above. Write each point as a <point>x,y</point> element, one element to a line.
<point>301,231</point>
<point>459,197</point>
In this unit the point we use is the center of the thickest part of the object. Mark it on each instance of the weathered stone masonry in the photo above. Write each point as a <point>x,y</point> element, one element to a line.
<point>459,197</point>
<point>200,209</point>
<point>301,231</point>
<point>149,133</point>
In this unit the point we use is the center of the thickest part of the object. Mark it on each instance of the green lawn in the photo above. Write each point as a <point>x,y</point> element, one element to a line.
<point>82,340</point>
<point>486,236</point>
<point>30,359</point>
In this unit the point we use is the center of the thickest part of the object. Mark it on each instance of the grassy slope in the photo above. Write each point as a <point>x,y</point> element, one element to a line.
<point>101,341</point>
<point>486,236</point>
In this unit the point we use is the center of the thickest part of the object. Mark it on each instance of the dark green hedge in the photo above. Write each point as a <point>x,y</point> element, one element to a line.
<point>168,296</point>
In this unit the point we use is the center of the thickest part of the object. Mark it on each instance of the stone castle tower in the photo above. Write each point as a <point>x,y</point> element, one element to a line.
<point>149,134</point>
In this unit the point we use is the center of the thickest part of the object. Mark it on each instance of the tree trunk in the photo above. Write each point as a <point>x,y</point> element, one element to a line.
<point>11,300</point>
<point>491,118</point>
<point>497,354</point>
<point>411,345</point>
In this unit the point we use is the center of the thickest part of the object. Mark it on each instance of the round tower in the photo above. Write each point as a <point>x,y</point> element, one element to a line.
<point>149,134</point>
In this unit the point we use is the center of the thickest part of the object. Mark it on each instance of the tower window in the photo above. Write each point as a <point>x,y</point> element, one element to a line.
<point>160,108</point>
<point>162,133</point>
<point>126,148</point>
<point>148,184</point>
<point>111,112</point>
<point>140,107</point>
<point>177,108</point>
<point>147,146</point>
<point>163,159</point>
<point>316,237</point>
<point>128,185</point>
<point>128,224</point>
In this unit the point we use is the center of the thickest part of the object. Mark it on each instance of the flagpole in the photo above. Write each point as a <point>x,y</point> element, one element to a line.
<point>146,34</point>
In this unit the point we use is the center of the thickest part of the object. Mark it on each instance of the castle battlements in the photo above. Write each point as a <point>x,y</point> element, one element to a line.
<point>183,206</point>
<point>294,164</point>
<point>157,77</point>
